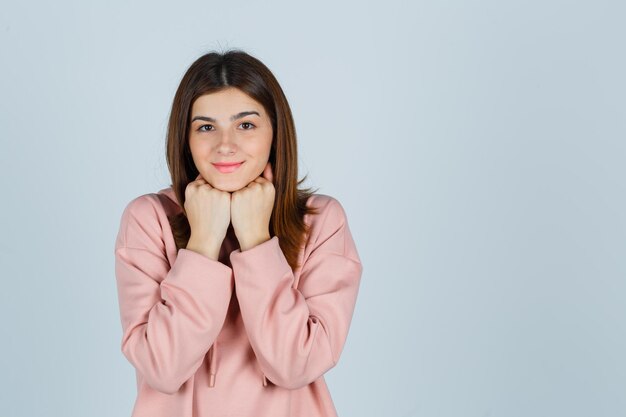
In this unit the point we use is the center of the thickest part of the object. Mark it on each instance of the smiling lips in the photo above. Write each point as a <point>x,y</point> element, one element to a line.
<point>226,168</point>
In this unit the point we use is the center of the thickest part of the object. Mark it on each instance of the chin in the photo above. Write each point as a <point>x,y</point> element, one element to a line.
<point>228,187</point>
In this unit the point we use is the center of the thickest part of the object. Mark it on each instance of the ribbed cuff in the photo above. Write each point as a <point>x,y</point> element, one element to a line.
<point>197,271</point>
<point>266,258</point>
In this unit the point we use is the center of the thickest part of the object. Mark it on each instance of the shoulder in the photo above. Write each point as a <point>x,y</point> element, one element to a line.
<point>143,208</point>
<point>329,211</point>
<point>331,221</point>
<point>141,222</point>
<point>329,231</point>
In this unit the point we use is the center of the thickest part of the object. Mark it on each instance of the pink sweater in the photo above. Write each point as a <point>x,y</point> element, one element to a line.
<point>243,336</point>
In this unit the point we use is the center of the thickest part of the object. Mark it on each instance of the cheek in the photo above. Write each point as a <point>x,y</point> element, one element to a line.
<point>193,144</point>
<point>259,148</point>
<point>199,148</point>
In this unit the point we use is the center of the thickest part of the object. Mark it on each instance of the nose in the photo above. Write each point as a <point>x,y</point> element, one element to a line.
<point>226,144</point>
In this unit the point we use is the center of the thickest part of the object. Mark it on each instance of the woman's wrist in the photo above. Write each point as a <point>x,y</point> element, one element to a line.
<point>209,250</point>
<point>252,242</point>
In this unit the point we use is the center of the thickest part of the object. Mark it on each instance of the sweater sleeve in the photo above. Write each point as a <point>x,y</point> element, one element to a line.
<point>170,316</point>
<point>298,334</point>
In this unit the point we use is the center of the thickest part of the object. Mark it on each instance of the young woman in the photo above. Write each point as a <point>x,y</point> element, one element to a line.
<point>236,289</point>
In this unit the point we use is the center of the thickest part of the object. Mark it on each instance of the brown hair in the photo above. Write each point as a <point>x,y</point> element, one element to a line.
<point>213,72</point>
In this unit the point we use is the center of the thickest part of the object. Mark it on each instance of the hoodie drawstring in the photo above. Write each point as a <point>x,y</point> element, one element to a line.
<point>212,364</point>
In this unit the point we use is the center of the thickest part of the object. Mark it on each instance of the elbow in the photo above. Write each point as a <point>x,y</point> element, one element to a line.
<point>166,386</point>
<point>288,382</point>
<point>156,377</point>
<point>165,383</point>
<point>162,381</point>
<point>289,377</point>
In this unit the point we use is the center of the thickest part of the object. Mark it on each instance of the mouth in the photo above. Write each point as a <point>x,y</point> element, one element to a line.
<point>226,168</point>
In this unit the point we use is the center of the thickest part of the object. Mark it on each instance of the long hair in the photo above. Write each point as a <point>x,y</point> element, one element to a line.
<point>213,72</point>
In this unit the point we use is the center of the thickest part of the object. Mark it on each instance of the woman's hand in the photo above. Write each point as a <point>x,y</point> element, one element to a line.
<point>208,213</point>
<point>251,210</point>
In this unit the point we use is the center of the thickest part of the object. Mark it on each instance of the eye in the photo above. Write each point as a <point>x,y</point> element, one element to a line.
<point>201,128</point>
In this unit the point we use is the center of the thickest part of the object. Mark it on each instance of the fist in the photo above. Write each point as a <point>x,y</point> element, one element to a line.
<point>251,209</point>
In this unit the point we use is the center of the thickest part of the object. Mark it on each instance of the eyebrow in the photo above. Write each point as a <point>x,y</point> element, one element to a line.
<point>233,117</point>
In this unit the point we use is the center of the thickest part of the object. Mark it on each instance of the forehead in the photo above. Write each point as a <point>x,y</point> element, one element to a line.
<point>224,103</point>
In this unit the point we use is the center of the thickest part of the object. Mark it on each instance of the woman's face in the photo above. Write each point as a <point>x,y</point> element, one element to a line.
<point>229,126</point>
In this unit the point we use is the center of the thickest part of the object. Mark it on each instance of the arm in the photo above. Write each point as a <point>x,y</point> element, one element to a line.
<point>170,316</point>
<point>298,334</point>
